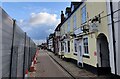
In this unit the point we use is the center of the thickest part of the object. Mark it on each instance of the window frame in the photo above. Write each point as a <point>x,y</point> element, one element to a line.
<point>83,13</point>
<point>68,24</point>
<point>68,44</point>
<point>74,21</point>
<point>86,46</point>
<point>75,46</point>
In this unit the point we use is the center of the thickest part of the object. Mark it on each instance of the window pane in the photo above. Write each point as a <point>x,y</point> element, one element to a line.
<point>74,20</point>
<point>68,46</point>
<point>83,10</point>
<point>85,42</point>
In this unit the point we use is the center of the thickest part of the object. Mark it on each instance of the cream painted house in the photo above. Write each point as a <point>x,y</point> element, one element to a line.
<point>84,36</point>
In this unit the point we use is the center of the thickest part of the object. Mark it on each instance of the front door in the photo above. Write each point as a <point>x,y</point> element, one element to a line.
<point>80,54</point>
<point>103,55</point>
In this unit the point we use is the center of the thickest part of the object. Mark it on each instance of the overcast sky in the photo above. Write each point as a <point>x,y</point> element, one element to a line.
<point>38,19</point>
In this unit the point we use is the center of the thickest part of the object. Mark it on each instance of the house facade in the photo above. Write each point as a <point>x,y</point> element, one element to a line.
<point>57,39</point>
<point>50,42</point>
<point>84,36</point>
<point>89,36</point>
<point>114,35</point>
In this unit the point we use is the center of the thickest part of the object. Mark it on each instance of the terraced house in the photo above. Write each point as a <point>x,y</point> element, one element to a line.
<point>86,36</point>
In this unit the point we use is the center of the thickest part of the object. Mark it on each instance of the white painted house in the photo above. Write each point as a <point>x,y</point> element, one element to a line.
<point>114,36</point>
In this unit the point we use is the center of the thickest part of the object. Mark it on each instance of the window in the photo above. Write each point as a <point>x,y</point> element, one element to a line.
<point>62,47</point>
<point>72,7</point>
<point>74,21</point>
<point>65,47</point>
<point>75,45</point>
<point>64,29</point>
<point>83,13</point>
<point>68,46</point>
<point>85,43</point>
<point>80,48</point>
<point>69,25</point>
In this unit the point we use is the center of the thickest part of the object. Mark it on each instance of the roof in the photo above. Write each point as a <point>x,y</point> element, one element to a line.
<point>79,4</point>
<point>58,27</point>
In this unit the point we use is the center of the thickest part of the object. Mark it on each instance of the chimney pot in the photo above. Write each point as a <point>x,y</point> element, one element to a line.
<point>62,17</point>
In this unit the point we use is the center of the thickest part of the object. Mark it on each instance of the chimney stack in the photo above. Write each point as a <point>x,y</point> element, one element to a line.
<point>62,17</point>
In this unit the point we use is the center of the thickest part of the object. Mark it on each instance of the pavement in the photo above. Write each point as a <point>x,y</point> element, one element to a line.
<point>50,65</point>
<point>47,67</point>
<point>75,71</point>
<point>72,68</point>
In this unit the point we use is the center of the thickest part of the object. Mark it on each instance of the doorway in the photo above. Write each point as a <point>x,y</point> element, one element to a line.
<point>103,54</point>
<point>80,53</point>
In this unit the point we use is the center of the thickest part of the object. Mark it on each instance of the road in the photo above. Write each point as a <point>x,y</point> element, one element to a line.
<point>47,67</point>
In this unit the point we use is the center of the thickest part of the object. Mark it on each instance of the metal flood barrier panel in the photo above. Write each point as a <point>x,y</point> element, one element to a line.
<point>31,52</point>
<point>17,48</point>
<point>0,43</point>
<point>27,48</point>
<point>7,33</point>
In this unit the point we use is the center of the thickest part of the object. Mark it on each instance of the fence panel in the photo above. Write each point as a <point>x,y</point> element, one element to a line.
<point>17,49</point>
<point>26,54</point>
<point>0,42</point>
<point>19,43</point>
<point>7,32</point>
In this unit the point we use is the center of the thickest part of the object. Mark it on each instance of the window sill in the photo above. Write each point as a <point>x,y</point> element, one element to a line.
<point>86,56</point>
<point>74,54</point>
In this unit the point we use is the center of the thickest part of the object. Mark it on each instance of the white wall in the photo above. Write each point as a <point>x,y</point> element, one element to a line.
<point>117,37</point>
<point>111,41</point>
<point>118,42</point>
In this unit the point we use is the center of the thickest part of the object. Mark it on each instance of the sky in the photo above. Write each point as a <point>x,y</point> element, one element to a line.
<point>38,19</point>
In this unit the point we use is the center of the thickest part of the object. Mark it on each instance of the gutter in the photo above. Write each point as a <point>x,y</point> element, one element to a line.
<point>113,35</point>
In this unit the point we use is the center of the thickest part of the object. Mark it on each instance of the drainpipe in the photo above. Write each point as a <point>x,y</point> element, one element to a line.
<point>113,34</point>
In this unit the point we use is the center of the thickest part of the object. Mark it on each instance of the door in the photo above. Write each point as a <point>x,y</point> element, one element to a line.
<point>80,54</point>
<point>103,55</point>
<point>103,51</point>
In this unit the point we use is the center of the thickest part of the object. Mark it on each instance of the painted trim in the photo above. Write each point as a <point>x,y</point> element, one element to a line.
<point>75,54</point>
<point>97,70</point>
<point>86,56</point>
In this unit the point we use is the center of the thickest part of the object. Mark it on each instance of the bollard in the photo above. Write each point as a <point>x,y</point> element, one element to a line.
<point>26,73</point>
<point>32,67</point>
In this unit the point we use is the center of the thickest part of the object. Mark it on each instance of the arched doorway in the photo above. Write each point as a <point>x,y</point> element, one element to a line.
<point>103,54</point>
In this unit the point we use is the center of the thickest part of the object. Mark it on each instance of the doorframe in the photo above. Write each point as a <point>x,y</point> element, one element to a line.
<point>80,43</point>
<point>99,54</point>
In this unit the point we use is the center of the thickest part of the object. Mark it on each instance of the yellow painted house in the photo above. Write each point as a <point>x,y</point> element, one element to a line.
<point>84,36</point>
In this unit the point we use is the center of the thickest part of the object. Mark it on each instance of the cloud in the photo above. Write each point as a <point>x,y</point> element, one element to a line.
<point>27,28</point>
<point>43,18</point>
<point>39,41</point>
<point>39,25</point>
<point>49,31</point>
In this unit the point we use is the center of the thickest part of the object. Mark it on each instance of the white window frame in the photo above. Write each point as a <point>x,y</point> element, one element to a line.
<point>75,42</point>
<point>68,46</point>
<point>87,54</point>
<point>84,14</point>
<point>72,7</point>
<point>68,23</point>
<point>65,46</point>
<point>74,22</point>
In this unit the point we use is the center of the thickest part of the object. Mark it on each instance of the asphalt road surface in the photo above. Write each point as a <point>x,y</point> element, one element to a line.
<point>47,67</point>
